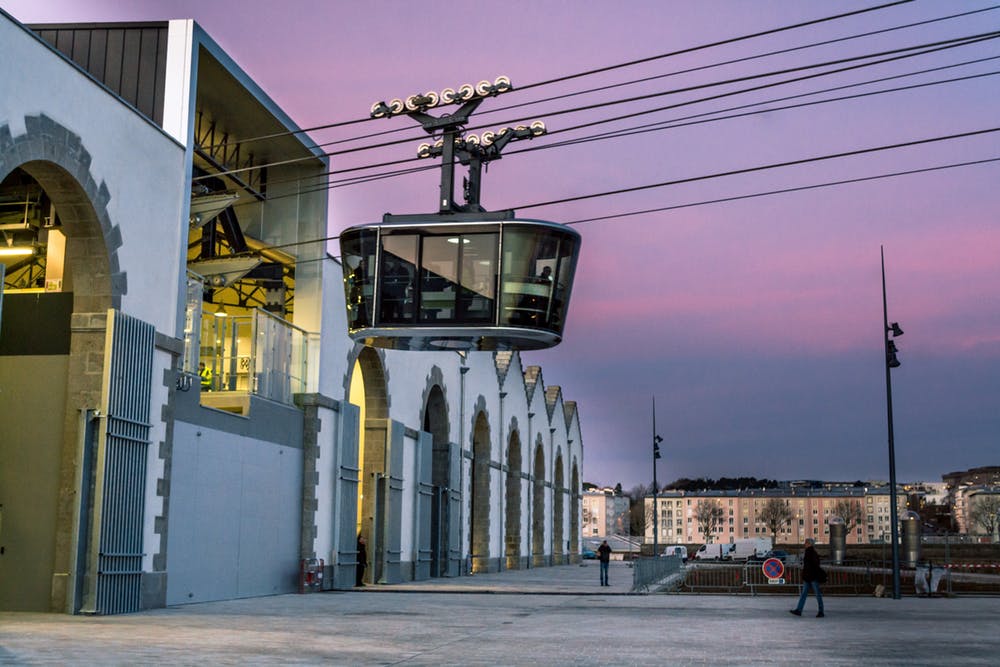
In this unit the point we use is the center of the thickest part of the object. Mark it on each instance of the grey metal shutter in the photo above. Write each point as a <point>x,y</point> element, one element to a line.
<point>454,519</point>
<point>392,572</point>
<point>346,510</point>
<point>114,568</point>
<point>425,504</point>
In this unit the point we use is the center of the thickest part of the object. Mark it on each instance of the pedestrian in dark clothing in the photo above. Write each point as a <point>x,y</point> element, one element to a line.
<point>359,576</point>
<point>604,556</point>
<point>812,576</point>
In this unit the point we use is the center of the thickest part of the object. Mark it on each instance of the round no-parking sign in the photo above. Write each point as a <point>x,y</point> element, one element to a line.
<point>773,568</point>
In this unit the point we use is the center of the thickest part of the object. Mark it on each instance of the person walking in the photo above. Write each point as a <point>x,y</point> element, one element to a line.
<point>604,556</point>
<point>812,576</point>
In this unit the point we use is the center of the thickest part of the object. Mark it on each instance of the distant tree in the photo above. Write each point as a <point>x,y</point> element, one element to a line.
<point>618,489</point>
<point>708,515</point>
<point>638,513</point>
<point>850,511</point>
<point>985,513</point>
<point>775,514</point>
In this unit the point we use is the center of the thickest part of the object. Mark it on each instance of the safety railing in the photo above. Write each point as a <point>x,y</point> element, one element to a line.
<point>650,572</point>
<point>861,577</point>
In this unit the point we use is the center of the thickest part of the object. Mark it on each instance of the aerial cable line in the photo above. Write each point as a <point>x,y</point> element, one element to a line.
<point>895,54</point>
<point>800,188</point>
<point>699,119</point>
<point>537,84</point>
<point>706,202</point>
<point>749,170</point>
<point>937,46</point>
<point>686,121</point>
<point>732,40</point>
<point>755,88</point>
<point>736,60</point>
<point>683,121</point>
<point>900,53</point>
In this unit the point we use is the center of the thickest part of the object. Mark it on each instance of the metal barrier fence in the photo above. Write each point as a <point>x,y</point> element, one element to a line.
<point>647,572</point>
<point>847,578</point>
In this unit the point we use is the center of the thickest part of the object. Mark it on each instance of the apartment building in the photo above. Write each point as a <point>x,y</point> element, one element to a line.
<point>604,513</point>
<point>740,514</point>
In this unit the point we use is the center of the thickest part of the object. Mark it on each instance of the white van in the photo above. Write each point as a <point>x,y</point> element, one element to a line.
<point>678,550</point>
<point>750,547</point>
<point>713,551</point>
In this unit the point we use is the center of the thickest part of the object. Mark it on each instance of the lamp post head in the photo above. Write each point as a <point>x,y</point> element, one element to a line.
<point>890,355</point>
<point>894,328</point>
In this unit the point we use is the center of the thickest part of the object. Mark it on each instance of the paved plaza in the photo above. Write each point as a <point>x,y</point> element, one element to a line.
<point>545,616</point>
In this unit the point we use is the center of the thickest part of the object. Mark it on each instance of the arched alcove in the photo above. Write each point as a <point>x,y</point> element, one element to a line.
<point>512,526</point>
<point>479,497</point>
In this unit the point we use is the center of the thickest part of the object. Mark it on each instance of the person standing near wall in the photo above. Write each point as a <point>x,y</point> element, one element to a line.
<point>604,557</point>
<point>359,576</point>
<point>812,576</point>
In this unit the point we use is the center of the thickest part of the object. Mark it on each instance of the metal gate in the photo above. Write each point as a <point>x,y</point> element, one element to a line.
<point>114,564</point>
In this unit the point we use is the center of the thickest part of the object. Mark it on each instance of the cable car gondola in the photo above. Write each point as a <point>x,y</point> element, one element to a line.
<point>462,278</point>
<point>477,284</point>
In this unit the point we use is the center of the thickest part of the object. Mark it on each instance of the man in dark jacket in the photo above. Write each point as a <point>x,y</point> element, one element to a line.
<point>812,576</point>
<point>604,556</point>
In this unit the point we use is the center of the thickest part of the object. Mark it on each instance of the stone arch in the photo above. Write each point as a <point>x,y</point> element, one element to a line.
<point>512,525</point>
<point>57,160</point>
<point>558,518</point>
<point>574,513</point>
<point>368,390</point>
<point>479,496</point>
<point>435,421</point>
<point>538,506</point>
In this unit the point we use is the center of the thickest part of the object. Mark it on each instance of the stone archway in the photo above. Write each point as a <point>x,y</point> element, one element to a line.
<point>479,496</point>
<point>558,519</point>
<point>368,391</point>
<point>512,525</point>
<point>538,508</point>
<point>51,389</point>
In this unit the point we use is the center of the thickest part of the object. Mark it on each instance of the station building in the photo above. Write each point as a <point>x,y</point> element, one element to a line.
<point>183,417</point>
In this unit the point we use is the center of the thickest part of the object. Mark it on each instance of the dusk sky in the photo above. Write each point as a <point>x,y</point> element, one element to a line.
<point>755,323</point>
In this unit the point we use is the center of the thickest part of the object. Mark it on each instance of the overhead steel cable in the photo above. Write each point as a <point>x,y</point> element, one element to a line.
<point>894,55</point>
<point>706,202</point>
<point>799,188</point>
<point>683,121</point>
<point>750,170</point>
<point>699,119</point>
<point>738,60</point>
<point>732,40</point>
<point>897,54</point>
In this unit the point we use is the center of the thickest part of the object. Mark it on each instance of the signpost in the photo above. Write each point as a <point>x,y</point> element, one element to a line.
<point>774,570</point>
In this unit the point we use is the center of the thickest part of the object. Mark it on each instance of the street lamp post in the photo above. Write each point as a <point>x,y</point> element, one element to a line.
<point>656,489</point>
<point>891,362</point>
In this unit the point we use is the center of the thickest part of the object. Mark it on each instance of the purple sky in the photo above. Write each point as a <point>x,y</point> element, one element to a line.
<point>755,323</point>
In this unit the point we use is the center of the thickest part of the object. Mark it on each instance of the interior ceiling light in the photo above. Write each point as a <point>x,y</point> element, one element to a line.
<point>17,251</point>
<point>221,311</point>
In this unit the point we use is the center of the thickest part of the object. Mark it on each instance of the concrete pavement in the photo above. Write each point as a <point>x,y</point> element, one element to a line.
<point>511,618</point>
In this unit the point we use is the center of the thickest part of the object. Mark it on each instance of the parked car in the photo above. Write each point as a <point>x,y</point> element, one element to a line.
<point>774,553</point>
<point>588,554</point>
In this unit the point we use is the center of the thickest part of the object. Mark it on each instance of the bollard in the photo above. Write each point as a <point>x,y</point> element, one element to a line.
<point>838,540</point>
<point>911,539</point>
